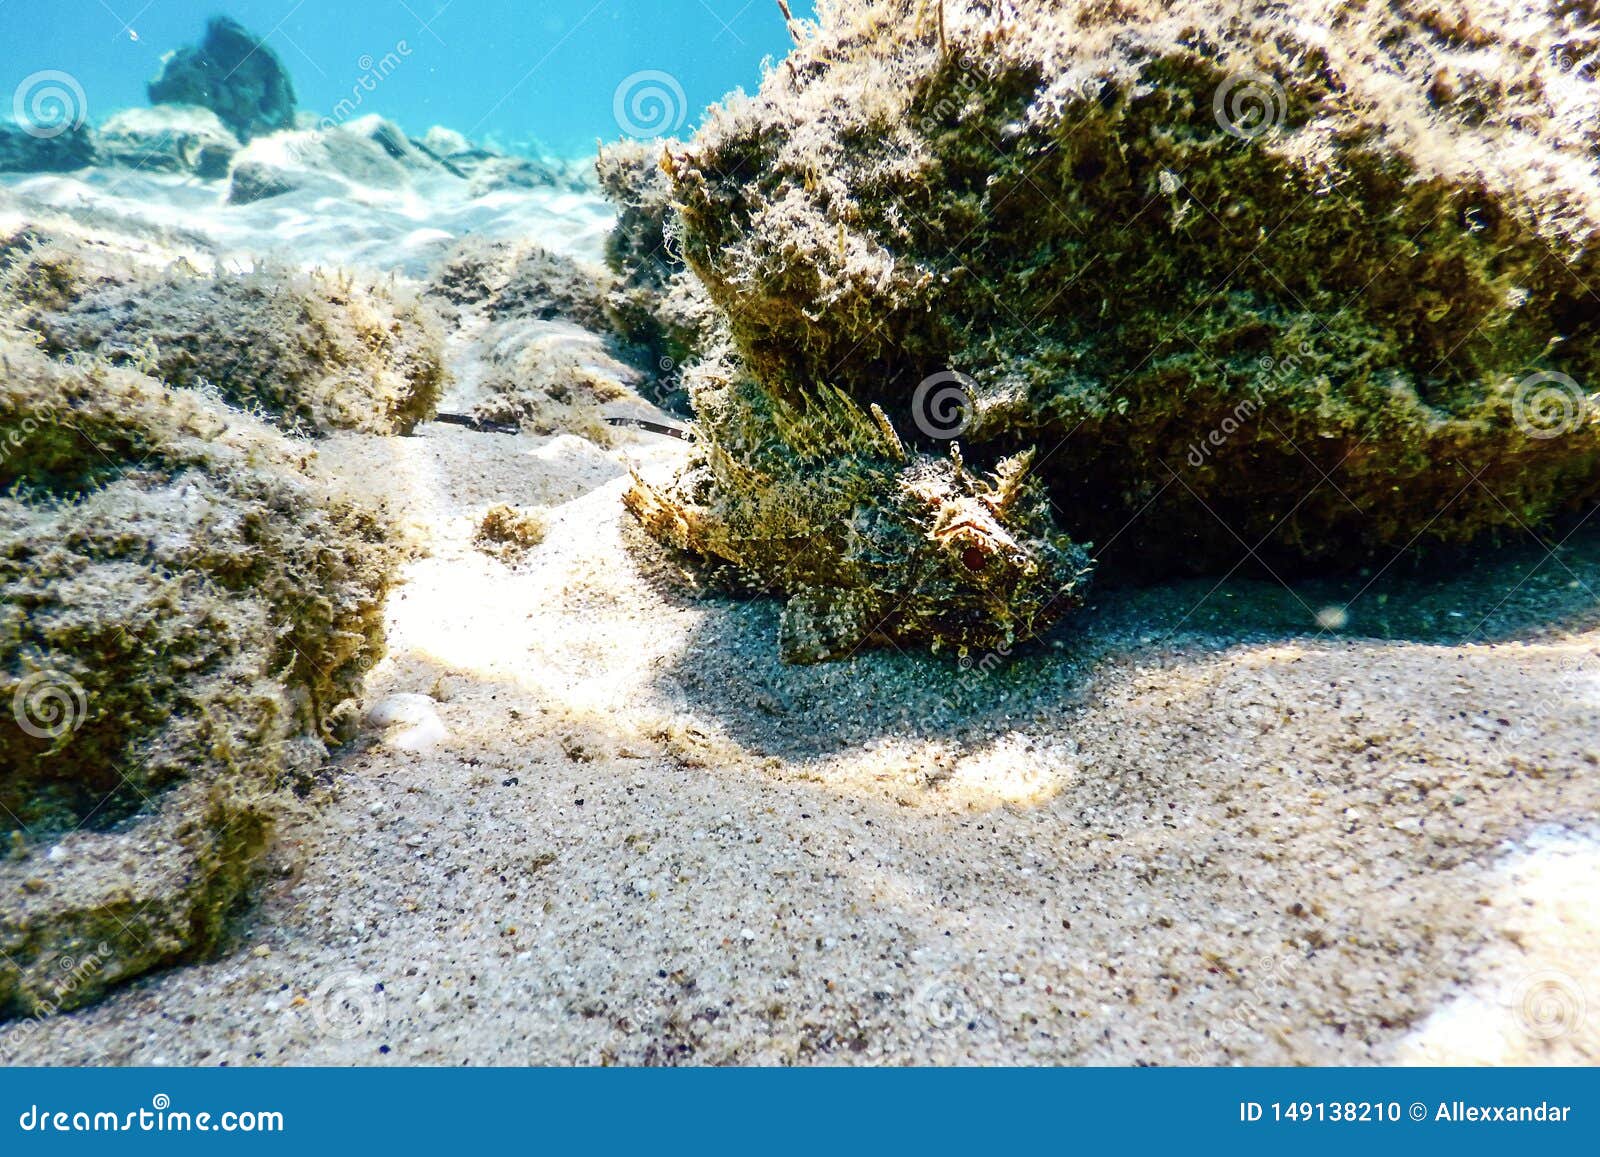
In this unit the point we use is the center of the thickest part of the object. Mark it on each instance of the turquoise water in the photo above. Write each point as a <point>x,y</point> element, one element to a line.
<point>551,74</point>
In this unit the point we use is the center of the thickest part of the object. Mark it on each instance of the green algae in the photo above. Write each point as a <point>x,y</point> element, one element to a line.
<point>187,612</point>
<point>1294,288</point>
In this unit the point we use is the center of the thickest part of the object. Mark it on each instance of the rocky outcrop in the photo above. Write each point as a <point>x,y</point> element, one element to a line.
<point>657,306</point>
<point>343,161</point>
<point>1294,288</point>
<point>186,616</point>
<point>28,151</point>
<point>490,171</point>
<point>314,352</point>
<point>167,139</point>
<point>234,75</point>
<point>252,180</point>
<point>549,359</point>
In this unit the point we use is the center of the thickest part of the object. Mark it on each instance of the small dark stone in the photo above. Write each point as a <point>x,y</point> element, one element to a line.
<point>253,181</point>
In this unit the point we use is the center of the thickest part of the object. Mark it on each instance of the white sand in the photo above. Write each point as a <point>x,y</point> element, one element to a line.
<point>407,229</point>
<point>595,820</point>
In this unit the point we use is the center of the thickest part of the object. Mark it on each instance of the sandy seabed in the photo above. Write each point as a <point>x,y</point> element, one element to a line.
<point>595,820</point>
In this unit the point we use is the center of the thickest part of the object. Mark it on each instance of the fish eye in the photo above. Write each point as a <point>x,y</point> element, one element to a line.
<point>974,559</point>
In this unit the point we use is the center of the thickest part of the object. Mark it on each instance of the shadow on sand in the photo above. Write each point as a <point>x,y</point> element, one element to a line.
<point>730,672</point>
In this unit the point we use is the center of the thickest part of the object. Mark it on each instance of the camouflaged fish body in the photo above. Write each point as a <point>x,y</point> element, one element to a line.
<point>820,501</point>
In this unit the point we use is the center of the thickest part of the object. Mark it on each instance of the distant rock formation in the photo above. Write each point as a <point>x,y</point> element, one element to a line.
<point>167,139</point>
<point>22,151</point>
<point>234,75</point>
<point>365,154</point>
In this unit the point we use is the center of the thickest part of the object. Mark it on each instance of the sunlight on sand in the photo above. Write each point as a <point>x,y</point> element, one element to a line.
<point>1535,998</point>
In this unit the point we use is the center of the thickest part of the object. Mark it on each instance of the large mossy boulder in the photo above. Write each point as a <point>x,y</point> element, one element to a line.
<point>1302,283</point>
<point>187,619</point>
<point>188,603</point>
<point>657,306</point>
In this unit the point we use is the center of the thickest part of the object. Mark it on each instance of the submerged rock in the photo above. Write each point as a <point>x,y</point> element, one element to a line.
<point>25,151</point>
<point>234,75</point>
<point>389,137</point>
<point>657,306</point>
<point>316,352</point>
<point>1300,285</point>
<point>167,139</point>
<point>101,907</point>
<point>335,162</point>
<point>186,617</point>
<point>549,359</point>
<point>252,180</point>
<point>528,282</point>
<point>491,172</point>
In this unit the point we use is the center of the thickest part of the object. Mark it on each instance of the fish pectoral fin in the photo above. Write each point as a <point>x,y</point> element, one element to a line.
<point>677,524</point>
<point>823,623</point>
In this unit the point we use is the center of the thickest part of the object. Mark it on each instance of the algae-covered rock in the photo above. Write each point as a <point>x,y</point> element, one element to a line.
<point>25,150</point>
<point>657,306</point>
<point>508,533</point>
<point>548,356</point>
<point>233,74</point>
<point>315,351</point>
<point>186,616</point>
<point>522,282</point>
<point>550,379</point>
<point>1301,282</point>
